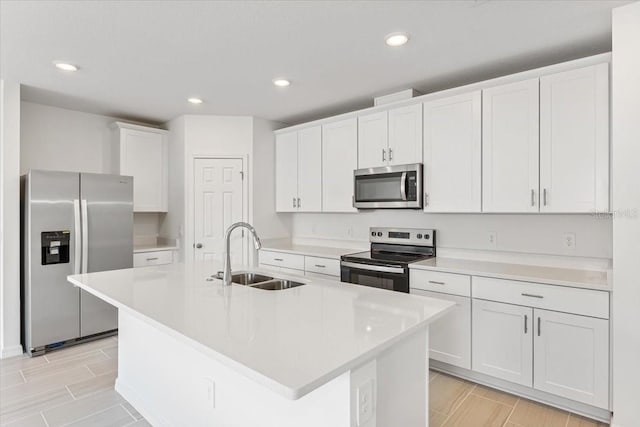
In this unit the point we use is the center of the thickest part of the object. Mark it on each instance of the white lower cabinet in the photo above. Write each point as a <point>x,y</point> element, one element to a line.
<point>571,356</point>
<point>146,259</point>
<point>311,266</point>
<point>503,341</point>
<point>450,336</point>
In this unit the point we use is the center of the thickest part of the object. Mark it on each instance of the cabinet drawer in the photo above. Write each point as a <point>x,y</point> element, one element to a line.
<point>447,283</point>
<point>281,259</point>
<point>144,259</point>
<point>322,276</point>
<point>322,265</point>
<point>557,298</point>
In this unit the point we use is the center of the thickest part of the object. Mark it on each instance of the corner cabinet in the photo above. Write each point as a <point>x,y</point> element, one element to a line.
<point>142,152</point>
<point>391,137</point>
<point>453,154</point>
<point>299,171</point>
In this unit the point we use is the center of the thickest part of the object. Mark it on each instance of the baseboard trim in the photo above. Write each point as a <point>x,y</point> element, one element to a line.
<point>549,399</point>
<point>140,404</point>
<point>11,351</point>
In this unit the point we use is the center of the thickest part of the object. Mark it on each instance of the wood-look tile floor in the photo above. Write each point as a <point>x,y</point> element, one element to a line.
<point>75,387</point>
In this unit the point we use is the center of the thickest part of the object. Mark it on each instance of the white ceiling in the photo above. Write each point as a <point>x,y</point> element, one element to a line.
<point>142,59</point>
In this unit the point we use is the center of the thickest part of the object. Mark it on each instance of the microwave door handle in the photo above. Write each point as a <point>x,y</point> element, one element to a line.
<point>403,186</point>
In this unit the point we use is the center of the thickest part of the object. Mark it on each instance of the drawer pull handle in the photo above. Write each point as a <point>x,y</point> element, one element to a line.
<point>321,266</point>
<point>152,259</point>
<point>526,321</point>
<point>278,259</point>
<point>436,283</point>
<point>531,295</point>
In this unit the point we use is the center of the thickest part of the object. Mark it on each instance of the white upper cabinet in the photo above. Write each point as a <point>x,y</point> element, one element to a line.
<point>310,169</point>
<point>510,147</point>
<point>572,357</point>
<point>142,152</point>
<point>339,160</point>
<point>574,140</point>
<point>287,172</point>
<point>405,135</point>
<point>373,141</point>
<point>299,171</point>
<point>452,154</point>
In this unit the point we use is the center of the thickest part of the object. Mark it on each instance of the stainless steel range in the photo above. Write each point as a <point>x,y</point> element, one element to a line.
<point>386,265</point>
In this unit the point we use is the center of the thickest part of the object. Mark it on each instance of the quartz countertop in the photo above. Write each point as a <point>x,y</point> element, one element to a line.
<point>292,341</point>
<point>587,279</point>
<point>308,250</point>
<point>154,247</point>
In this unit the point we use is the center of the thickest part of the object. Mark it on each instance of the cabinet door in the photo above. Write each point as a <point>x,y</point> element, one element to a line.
<point>286,172</point>
<point>510,147</point>
<point>571,357</point>
<point>574,140</point>
<point>450,336</point>
<point>372,140</point>
<point>405,135</point>
<point>452,154</point>
<point>503,341</point>
<point>144,156</point>
<point>310,169</point>
<point>339,160</point>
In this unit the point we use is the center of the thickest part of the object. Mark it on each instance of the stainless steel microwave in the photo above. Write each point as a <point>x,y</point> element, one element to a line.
<point>388,187</point>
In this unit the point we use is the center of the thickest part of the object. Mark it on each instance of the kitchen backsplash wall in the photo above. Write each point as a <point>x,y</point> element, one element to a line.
<point>531,234</point>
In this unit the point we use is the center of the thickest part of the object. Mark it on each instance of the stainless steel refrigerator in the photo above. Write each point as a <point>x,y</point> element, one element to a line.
<point>71,223</point>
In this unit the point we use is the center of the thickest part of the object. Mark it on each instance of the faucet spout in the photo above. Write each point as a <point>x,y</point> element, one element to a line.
<point>226,276</point>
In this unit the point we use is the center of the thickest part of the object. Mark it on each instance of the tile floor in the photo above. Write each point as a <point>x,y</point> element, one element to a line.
<point>74,387</point>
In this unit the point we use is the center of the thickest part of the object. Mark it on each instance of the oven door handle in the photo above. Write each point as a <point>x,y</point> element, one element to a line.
<point>382,268</point>
<point>403,186</point>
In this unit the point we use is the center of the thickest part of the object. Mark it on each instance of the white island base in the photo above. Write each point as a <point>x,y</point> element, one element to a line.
<point>172,383</point>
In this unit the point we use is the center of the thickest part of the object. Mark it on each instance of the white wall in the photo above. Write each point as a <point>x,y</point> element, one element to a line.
<point>59,139</point>
<point>626,222</point>
<point>532,234</point>
<point>9,219</point>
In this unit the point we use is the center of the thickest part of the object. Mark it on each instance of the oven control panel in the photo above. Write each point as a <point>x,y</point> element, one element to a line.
<point>403,236</point>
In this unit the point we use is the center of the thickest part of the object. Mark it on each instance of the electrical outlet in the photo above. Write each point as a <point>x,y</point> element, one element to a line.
<point>209,391</point>
<point>365,403</point>
<point>569,240</point>
<point>492,239</point>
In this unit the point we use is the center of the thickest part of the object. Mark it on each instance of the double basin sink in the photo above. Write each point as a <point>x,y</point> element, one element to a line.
<point>261,281</point>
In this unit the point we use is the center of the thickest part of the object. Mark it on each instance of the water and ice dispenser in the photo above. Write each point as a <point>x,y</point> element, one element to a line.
<point>55,247</point>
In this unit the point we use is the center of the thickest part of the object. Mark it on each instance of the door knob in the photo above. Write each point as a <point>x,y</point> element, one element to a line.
<point>198,245</point>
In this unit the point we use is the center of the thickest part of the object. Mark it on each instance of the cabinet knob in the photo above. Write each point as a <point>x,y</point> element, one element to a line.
<point>198,245</point>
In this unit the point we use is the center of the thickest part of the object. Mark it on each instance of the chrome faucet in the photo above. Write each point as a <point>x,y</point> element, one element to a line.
<point>226,275</point>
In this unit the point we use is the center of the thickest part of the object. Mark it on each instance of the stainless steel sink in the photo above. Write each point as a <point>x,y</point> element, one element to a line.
<point>277,285</point>
<point>249,278</point>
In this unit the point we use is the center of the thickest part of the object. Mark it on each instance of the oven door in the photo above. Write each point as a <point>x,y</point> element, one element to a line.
<point>388,187</point>
<point>391,277</point>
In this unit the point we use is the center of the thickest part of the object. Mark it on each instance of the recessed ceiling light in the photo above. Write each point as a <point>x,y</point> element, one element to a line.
<point>65,66</point>
<point>195,100</point>
<point>396,39</point>
<point>281,82</point>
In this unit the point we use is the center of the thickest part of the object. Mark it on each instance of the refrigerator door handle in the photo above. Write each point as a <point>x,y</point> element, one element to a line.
<point>77,253</point>
<point>85,237</point>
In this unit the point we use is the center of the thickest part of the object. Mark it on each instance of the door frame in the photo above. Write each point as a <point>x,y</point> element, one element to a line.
<point>189,220</point>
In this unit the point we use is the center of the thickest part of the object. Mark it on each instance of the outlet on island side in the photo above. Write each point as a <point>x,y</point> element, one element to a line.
<point>492,239</point>
<point>569,240</point>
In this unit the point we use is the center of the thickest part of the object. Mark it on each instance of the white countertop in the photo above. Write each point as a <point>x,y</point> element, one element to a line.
<point>154,247</point>
<point>308,250</point>
<point>292,341</point>
<point>531,273</point>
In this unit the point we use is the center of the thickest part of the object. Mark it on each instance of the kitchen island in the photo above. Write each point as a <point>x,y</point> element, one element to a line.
<point>195,352</point>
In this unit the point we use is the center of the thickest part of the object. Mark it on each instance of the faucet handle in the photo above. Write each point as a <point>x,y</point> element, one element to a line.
<point>218,275</point>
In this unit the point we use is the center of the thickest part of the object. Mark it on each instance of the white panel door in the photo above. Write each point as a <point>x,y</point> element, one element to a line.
<point>373,140</point>
<point>144,156</point>
<point>574,140</point>
<point>218,203</point>
<point>571,357</point>
<point>452,154</point>
<point>339,160</point>
<point>502,341</point>
<point>310,169</point>
<point>405,135</point>
<point>510,142</point>
<point>287,172</point>
<point>450,336</point>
